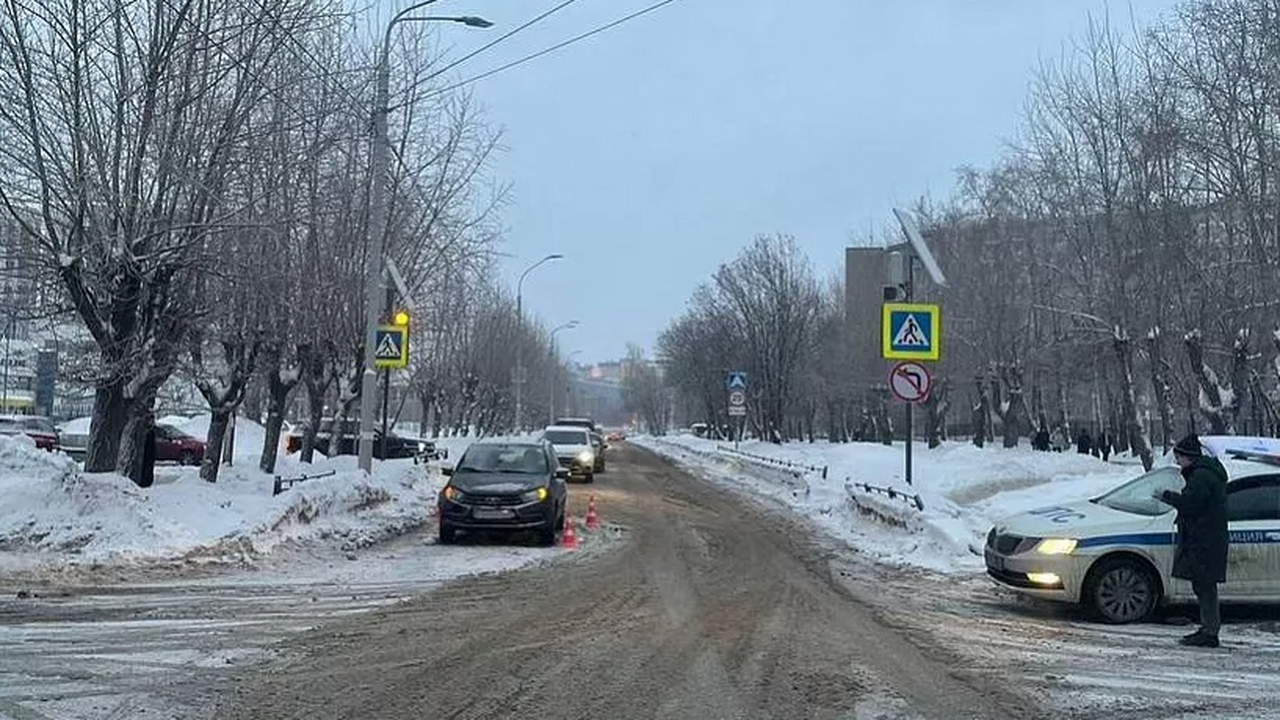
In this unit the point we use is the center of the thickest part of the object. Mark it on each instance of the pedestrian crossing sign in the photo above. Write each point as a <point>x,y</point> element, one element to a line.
<point>911,331</point>
<point>391,347</point>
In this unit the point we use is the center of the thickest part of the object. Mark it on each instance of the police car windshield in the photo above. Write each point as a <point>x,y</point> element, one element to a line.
<point>1135,495</point>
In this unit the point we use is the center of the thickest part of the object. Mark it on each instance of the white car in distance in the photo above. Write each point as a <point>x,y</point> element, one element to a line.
<point>1114,553</point>
<point>574,450</point>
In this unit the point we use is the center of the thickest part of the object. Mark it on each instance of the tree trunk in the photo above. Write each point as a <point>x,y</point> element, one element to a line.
<point>1160,387</point>
<point>1013,409</point>
<point>1134,430</point>
<point>110,413</point>
<point>1211,403</point>
<point>278,398</point>
<point>229,440</point>
<point>884,422</point>
<point>315,414</point>
<point>1240,371</point>
<point>936,405</point>
<point>981,417</point>
<point>137,412</point>
<point>219,419</point>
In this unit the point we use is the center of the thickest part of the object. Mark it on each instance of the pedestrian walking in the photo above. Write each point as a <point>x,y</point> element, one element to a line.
<point>1201,553</point>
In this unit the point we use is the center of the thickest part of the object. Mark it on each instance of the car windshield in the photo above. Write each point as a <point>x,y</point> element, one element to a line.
<point>566,437</point>
<point>1135,495</point>
<point>522,459</point>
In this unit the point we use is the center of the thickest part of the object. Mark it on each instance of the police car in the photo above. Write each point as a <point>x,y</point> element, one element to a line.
<point>1114,553</point>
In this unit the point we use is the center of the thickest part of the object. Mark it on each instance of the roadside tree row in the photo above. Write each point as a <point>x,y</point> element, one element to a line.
<point>191,182</point>
<point>1116,271</point>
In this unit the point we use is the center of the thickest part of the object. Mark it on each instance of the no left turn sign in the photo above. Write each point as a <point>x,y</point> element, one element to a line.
<point>910,381</point>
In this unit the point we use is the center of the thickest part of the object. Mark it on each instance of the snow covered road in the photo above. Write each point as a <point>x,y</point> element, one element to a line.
<point>166,649</point>
<point>927,583</point>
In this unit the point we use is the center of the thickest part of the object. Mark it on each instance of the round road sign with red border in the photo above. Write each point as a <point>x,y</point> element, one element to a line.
<point>910,381</point>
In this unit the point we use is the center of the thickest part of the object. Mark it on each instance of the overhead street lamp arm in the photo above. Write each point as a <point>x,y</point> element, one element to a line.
<point>531,268</point>
<point>519,378</point>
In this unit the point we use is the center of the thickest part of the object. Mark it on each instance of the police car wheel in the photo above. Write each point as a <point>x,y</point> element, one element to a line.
<point>1123,590</point>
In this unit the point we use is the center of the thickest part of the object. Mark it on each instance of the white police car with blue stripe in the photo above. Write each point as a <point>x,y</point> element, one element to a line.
<point>1114,553</point>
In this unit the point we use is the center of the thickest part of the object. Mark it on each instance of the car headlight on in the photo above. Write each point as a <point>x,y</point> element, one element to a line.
<point>586,457</point>
<point>422,447</point>
<point>535,495</point>
<point>1056,546</point>
<point>452,494</point>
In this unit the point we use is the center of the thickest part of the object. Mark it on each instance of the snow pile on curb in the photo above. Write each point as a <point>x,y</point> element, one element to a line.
<point>54,513</point>
<point>964,490</point>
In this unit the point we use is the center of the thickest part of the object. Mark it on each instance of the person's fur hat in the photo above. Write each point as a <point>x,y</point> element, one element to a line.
<point>1188,446</point>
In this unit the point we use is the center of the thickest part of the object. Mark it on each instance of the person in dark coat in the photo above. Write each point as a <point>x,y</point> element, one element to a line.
<point>1201,554</point>
<point>148,475</point>
<point>1084,443</point>
<point>1041,440</point>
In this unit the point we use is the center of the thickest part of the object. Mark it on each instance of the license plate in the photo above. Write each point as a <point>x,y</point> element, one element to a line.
<point>995,562</point>
<point>491,514</point>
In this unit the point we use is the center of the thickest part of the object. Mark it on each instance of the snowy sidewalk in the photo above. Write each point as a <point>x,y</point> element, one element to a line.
<point>963,490</point>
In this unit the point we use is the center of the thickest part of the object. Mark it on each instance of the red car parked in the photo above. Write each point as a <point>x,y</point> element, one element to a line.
<point>173,445</point>
<point>39,428</point>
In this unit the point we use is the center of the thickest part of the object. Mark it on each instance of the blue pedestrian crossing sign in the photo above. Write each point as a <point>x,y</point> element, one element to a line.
<point>735,381</point>
<point>391,347</point>
<point>911,331</point>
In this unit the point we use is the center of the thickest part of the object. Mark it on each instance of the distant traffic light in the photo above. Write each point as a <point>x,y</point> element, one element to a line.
<point>401,318</point>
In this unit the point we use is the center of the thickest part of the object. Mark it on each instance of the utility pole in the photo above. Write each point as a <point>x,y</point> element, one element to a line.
<point>380,154</point>
<point>519,378</point>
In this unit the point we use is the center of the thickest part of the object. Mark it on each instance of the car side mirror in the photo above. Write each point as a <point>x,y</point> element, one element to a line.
<point>562,473</point>
<point>446,471</point>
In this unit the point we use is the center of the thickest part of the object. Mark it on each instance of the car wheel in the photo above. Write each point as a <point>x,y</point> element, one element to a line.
<point>589,477</point>
<point>1122,590</point>
<point>189,458</point>
<point>448,535</point>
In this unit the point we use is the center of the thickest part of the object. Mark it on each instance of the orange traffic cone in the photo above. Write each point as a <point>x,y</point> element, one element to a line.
<point>568,541</point>
<point>592,519</point>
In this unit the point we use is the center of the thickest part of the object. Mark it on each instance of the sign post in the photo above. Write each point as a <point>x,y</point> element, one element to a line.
<point>912,331</point>
<point>736,385</point>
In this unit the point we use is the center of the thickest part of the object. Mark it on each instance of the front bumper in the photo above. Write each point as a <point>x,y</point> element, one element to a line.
<point>501,513</point>
<point>1027,573</point>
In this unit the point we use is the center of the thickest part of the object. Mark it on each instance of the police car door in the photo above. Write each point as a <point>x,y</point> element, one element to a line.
<point>1253,521</point>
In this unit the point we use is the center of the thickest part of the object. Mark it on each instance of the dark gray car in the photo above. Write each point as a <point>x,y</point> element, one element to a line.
<point>504,486</point>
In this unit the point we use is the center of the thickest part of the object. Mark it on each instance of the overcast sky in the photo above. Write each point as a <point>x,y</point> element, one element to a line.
<point>653,152</point>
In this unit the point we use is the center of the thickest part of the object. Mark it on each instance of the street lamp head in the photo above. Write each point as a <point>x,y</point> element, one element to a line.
<point>472,21</point>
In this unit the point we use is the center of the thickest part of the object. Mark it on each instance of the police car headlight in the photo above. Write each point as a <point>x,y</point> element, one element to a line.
<point>1056,546</point>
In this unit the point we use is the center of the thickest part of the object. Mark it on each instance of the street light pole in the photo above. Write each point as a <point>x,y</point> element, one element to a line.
<point>519,378</point>
<point>555,371</point>
<point>379,159</point>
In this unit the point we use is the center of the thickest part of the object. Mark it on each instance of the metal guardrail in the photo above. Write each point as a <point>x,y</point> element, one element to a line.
<point>280,484</point>
<point>911,499</point>
<point>775,462</point>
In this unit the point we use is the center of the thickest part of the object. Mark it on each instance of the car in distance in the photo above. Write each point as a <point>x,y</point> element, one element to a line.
<point>174,445</point>
<point>504,486</point>
<point>581,422</point>
<point>41,430</point>
<point>1113,554</point>
<point>574,450</point>
<point>398,447</point>
<point>597,438</point>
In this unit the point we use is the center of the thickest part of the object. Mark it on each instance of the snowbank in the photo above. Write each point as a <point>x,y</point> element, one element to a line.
<point>964,490</point>
<point>53,513</point>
